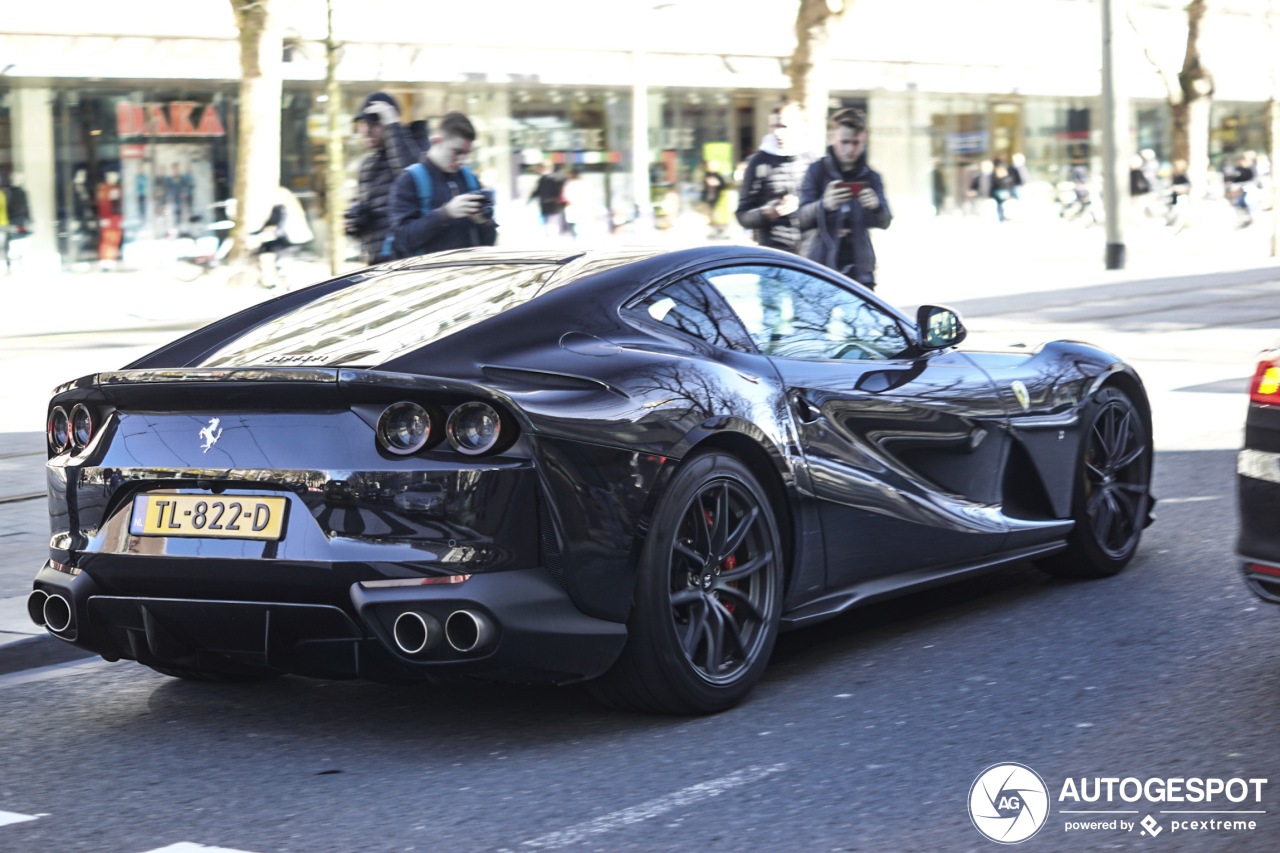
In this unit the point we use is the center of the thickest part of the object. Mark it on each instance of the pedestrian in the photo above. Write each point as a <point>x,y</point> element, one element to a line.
<point>1179,196</point>
<point>391,150</point>
<point>1076,200</point>
<point>769,196</point>
<point>841,199</point>
<point>438,203</point>
<point>939,188</point>
<point>549,193</point>
<point>576,212</point>
<point>1241,180</point>
<point>1139,186</point>
<point>980,186</point>
<point>1021,174</point>
<point>714,198</point>
<point>1003,183</point>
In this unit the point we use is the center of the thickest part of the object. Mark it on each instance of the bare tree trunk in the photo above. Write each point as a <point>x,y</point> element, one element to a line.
<point>1190,99</point>
<point>258,125</point>
<point>335,170</point>
<point>1191,115</point>
<point>810,65</point>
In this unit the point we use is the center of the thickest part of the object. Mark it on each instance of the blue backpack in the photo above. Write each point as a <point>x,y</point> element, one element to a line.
<point>422,177</point>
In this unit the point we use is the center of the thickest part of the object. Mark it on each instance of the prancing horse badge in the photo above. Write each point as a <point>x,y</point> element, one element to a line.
<point>213,432</point>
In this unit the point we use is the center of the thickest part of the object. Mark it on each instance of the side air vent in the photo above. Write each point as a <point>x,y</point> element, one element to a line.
<point>543,379</point>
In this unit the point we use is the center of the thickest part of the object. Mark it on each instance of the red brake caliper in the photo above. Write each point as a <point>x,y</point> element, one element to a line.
<point>728,564</point>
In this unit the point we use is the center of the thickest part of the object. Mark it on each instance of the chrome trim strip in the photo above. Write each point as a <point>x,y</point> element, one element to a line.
<point>218,374</point>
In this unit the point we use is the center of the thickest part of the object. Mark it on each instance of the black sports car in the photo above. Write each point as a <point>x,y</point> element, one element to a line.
<point>631,467</point>
<point>1258,470</point>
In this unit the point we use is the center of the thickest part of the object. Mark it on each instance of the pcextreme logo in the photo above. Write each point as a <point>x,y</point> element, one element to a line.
<point>1009,803</point>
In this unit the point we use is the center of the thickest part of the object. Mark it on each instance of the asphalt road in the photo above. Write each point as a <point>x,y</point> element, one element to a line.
<point>867,732</point>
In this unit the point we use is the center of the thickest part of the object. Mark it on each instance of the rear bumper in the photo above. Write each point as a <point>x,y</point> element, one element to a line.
<point>1259,510</point>
<point>532,632</point>
<point>1263,579</point>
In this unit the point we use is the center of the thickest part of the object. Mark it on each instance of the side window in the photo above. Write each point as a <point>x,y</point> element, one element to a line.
<point>792,314</point>
<point>693,308</point>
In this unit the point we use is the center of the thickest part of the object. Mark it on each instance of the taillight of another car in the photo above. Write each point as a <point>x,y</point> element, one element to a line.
<point>1265,388</point>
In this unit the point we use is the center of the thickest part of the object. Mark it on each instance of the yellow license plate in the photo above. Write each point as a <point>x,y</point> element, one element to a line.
<point>222,517</point>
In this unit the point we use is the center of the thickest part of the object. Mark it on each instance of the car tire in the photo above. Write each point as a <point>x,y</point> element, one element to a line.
<point>220,677</point>
<point>708,595</point>
<point>1111,501</point>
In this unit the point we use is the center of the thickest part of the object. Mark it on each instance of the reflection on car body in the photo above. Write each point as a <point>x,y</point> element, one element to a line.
<point>631,468</point>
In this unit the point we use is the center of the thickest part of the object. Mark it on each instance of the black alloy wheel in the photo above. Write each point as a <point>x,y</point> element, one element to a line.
<point>1112,500</point>
<point>709,595</point>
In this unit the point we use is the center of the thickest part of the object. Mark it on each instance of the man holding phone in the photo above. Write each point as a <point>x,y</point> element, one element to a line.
<point>841,199</point>
<point>455,212</point>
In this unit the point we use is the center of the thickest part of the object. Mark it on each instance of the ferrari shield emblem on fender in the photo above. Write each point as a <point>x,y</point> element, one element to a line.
<point>1020,391</point>
<point>213,432</point>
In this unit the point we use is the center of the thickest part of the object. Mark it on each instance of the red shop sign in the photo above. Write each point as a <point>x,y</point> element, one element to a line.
<point>177,118</point>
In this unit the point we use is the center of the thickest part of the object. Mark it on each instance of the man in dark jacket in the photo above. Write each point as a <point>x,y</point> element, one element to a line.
<point>458,215</point>
<point>841,199</point>
<point>771,184</point>
<point>391,149</point>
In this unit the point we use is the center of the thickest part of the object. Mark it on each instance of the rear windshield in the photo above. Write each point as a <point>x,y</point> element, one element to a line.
<point>376,320</point>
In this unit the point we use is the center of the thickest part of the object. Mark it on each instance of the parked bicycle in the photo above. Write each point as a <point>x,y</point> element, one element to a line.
<point>208,257</point>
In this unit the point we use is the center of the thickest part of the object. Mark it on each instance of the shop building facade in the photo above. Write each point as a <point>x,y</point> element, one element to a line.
<point>663,92</point>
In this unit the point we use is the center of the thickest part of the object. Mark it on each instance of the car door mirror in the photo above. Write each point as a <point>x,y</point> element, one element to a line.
<point>939,327</point>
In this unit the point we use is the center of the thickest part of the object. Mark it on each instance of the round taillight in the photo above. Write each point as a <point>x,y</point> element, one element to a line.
<point>474,428</point>
<point>57,430</point>
<point>81,425</point>
<point>404,428</point>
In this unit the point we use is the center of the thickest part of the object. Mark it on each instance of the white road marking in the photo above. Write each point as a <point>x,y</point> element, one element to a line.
<point>653,808</point>
<point>13,817</point>
<point>190,847</point>
<point>1196,499</point>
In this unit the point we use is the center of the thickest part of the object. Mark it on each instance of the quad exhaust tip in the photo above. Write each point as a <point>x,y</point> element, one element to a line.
<point>35,606</point>
<point>416,632</point>
<point>57,613</point>
<point>467,631</point>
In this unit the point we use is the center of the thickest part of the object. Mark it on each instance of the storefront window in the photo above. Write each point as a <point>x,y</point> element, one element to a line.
<point>136,167</point>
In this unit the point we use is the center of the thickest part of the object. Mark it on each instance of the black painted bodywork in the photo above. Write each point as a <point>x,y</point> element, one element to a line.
<point>884,476</point>
<point>1258,485</point>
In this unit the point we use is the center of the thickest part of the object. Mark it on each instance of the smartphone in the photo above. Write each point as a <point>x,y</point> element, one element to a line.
<point>854,187</point>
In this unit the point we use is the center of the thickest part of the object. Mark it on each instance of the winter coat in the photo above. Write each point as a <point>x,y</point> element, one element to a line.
<point>825,230</point>
<point>370,217</point>
<point>769,176</point>
<point>418,234</point>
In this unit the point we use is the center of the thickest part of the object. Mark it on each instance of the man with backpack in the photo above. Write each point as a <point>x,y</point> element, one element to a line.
<point>437,203</point>
<point>391,149</point>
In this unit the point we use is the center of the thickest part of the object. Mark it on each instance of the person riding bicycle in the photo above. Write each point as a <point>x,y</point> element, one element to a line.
<point>285,227</point>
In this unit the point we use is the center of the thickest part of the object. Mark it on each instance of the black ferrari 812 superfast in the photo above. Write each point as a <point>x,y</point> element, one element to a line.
<point>629,467</point>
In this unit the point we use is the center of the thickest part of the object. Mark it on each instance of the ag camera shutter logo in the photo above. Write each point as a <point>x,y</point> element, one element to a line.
<point>1008,803</point>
